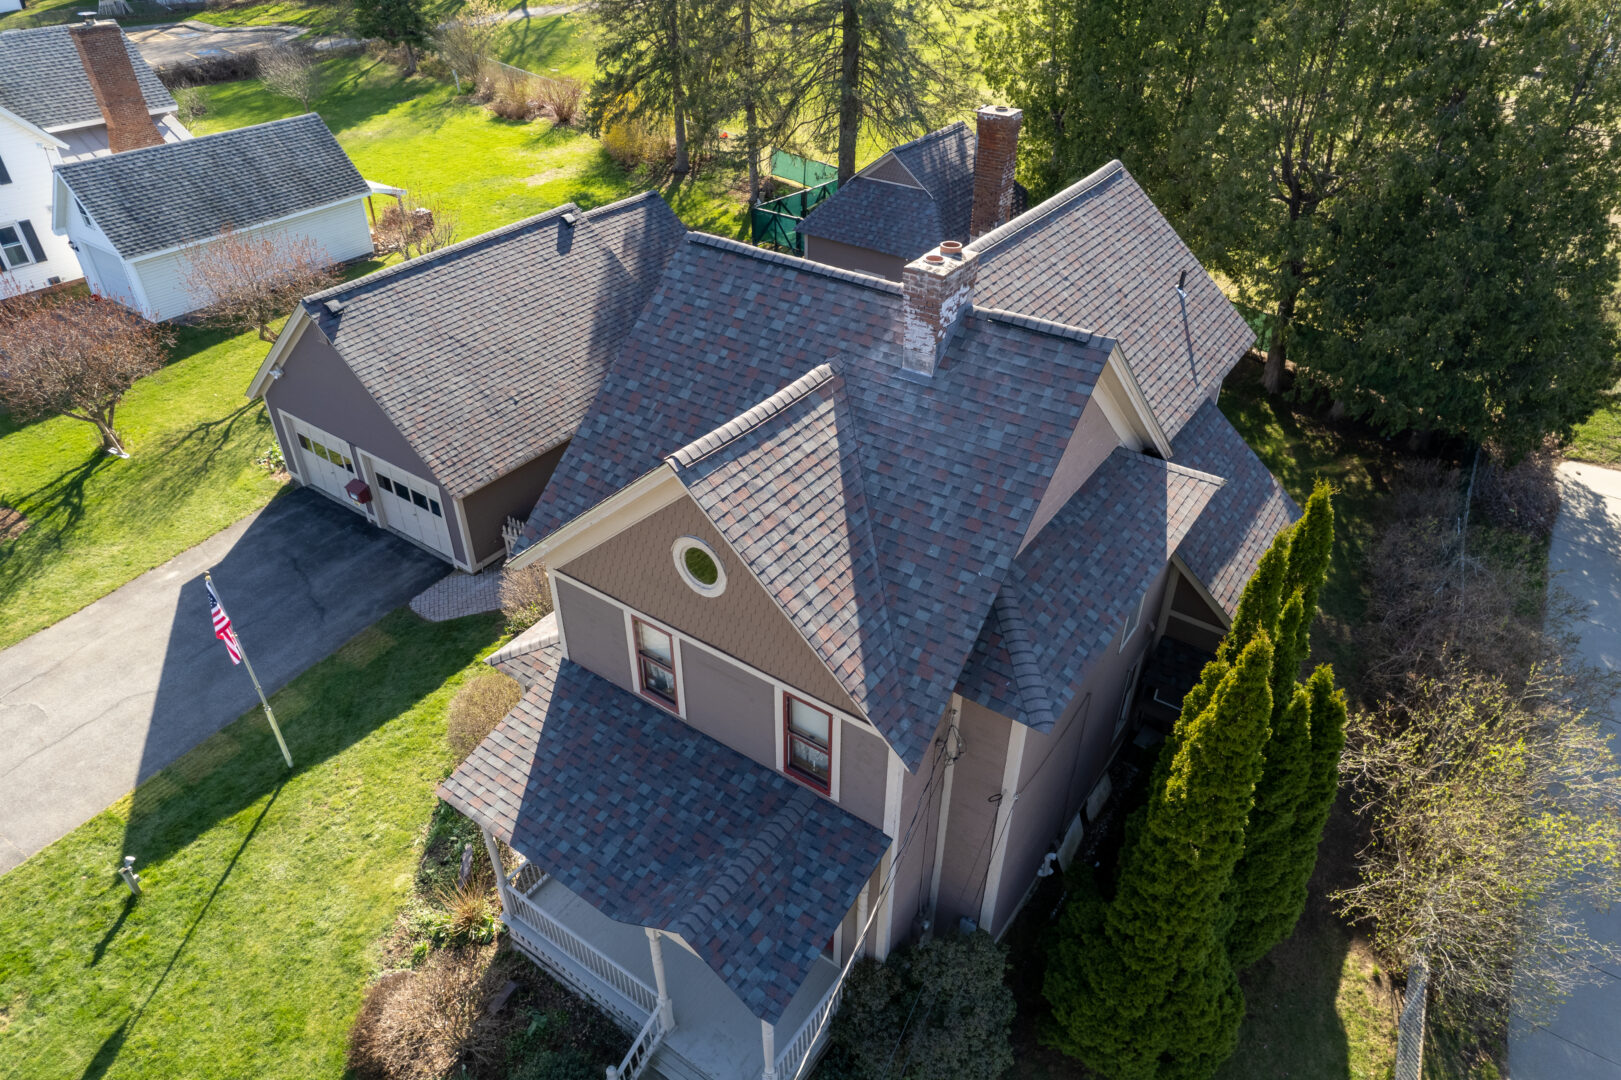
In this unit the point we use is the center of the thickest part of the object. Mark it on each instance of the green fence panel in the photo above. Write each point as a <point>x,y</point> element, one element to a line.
<point>806,172</point>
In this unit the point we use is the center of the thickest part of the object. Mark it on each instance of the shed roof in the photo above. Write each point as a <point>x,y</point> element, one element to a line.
<point>42,79</point>
<point>901,220</point>
<point>162,197</point>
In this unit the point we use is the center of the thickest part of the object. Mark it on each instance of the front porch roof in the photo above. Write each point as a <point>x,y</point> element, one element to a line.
<point>656,824</point>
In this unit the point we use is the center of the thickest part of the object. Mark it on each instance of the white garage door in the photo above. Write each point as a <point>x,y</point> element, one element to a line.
<point>323,459</point>
<point>410,505</point>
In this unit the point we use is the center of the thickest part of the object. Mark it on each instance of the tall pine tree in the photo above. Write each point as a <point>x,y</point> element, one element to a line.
<point>397,22</point>
<point>1151,992</point>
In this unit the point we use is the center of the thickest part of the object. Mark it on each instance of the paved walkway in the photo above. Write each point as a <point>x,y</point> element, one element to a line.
<point>1583,1041</point>
<point>102,700</point>
<point>460,593</point>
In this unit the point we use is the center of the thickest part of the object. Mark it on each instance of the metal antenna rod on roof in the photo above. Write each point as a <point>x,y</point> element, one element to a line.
<point>1182,285</point>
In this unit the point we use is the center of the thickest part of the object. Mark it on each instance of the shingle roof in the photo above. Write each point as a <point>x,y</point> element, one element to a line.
<point>900,220</point>
<point>1229,538</point>
<point>163,196</point>
<point>655,824</point>
<point>943,162</point>
<point>486,354</point>
<point>729,327</point>
<point>1102,256</point>
<point>1072,588</point>
<point>43,80</point>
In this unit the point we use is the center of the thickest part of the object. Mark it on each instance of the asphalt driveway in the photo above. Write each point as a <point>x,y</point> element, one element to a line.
<point>1582,1041</point>
<point>99,702</point>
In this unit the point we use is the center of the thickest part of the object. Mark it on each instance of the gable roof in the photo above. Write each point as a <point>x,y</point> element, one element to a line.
<point>42,79</point>
<point>728,328</point>
<point>479,387</point>
<point>1227,542</point>
<point>901,220</point>
<point>1100,254</point>
<point>655,824</point>
<point>162,197</point>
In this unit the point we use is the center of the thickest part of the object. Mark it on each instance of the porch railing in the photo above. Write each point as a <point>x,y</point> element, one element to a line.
<point>640,1052</point>
<point>810,1033</point>
<point>522,885</point>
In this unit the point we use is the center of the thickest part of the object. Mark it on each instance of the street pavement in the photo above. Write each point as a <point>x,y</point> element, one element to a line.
<point>102,700</point>
<point>1583,1039</point>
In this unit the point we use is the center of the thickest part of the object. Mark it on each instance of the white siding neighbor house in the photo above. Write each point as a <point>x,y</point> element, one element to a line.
<point>67,93</point>
<point>136,218</point>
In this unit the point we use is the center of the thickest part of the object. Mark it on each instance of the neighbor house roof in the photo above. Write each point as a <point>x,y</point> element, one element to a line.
<point>1101,255</point>
<point>161,197</point>
<point>655,824</point>
<point>1003,402</point>
<point>487,353</point>
<point>1225,544</point>
<point>43,80</point>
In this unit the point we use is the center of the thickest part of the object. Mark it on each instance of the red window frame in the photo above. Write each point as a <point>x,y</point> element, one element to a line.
<point>671,702</point>
<point>789,735</point>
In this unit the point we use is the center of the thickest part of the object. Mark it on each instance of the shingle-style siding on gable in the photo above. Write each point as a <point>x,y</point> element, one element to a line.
<point>43,81</point>
<point>636,567</point>
<point>233,180</point>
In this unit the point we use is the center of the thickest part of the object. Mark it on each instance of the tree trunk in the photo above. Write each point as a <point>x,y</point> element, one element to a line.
<point>264,330</point>
<point>751,127</point>
<point>849,90</point>
<point>1272,377</point>
<point>410,60</point>
<point>678,96</point>
<point>110,442</point>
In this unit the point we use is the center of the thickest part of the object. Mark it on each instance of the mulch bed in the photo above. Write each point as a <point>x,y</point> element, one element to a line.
<point>12,523</point>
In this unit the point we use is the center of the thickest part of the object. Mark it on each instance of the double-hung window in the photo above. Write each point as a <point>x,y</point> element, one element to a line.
<point>13,249</point>
<point>655,662</point>
<point>808,742</point>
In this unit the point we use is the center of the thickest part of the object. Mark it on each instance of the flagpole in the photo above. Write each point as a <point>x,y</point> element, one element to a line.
<point>269,715</point>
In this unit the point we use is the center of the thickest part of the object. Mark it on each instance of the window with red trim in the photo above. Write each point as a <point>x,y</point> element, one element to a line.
<point>655,660</point>
<point>808,742</point>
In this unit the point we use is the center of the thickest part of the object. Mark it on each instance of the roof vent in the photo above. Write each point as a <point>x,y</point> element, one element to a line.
<point>333,307</point>
<point>571,219</point>
<point>1182,285</point>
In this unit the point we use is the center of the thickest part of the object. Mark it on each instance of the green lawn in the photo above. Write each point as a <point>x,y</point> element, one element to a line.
<point>265,892</point>
<point>95,521</point>
<point>1598,440</point>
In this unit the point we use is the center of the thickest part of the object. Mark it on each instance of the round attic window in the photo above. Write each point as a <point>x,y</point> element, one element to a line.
<point>699,566</point>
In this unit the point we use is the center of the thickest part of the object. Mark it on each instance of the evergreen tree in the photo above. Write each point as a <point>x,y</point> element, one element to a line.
<point>1153,993</point>
<point>397,22</point>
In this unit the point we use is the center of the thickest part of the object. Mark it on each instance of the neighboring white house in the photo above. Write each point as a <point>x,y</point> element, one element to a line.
<point>136,217</point>
<point>53,81</point>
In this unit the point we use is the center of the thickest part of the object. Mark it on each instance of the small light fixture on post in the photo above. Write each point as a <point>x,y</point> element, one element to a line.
<point>131,878</point>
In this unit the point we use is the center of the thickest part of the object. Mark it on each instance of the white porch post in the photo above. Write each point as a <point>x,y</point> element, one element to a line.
<point>768,1042</point>
<point>494,850</point>
<point>666,1006</point>
<point>861,916</point>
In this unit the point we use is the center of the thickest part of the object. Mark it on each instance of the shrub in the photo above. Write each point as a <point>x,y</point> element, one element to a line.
<point>561,1065</point>
<point>526,596</point>
<point>477,707</point>
<point>1523,496</point>
<point>939,1011</point>
<point>191,104</point>
<point>631,144</point>
<point>463,915</point>
<point>561,98</point>
<point>413,1024</point>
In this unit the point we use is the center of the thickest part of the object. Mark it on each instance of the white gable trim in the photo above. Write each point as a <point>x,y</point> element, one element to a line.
<point>638,499</point>
<point>290,333</point>
<point>1138,402</point>
<point>34,129</point>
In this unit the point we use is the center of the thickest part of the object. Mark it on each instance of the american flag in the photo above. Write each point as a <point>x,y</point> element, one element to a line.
<point>222,624</point>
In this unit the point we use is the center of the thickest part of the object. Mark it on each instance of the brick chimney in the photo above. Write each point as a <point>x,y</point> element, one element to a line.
<point>996,147</point>
<point>118,94</point>
<point>938,290</point>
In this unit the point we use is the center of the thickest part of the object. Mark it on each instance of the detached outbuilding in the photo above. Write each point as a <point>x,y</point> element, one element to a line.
<point>437,396</point>
<point>134,217</point>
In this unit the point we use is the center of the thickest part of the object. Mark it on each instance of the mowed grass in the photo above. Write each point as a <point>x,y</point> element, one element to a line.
<point>1598,440</point>
<point>417,133</point>
<point>265,891</point>
<point>96,521</point>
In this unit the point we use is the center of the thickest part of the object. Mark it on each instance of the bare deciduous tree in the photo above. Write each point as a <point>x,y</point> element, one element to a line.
<point>247,281</point>
<point>1494,825</point>
<point>415,227</point>
<point>291,71</point>
<point>466,41</point>
<point>75,356</point>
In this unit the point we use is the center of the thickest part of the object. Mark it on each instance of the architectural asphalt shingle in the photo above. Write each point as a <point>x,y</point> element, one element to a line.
<point>43,80</point>
<point>901,220</point>
<point>656,824</point>
<point>1102,256</point>
<point>233,180</point>
<point>1225,544</point>
<point>480,388</point>
<point>1004,399</point>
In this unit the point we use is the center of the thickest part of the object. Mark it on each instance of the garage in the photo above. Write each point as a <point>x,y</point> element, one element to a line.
<point>409,505</point>
<point>323,459</point>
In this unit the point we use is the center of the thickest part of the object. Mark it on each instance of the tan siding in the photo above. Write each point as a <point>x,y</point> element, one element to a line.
<point>888,168</point>
<point>1187,600</point>
<point>1092,441</point>
<point>729,704</point>
<point>595,634</point>
<point>911,880</point>
<point>514,494</point>
<point>636,568</point>
<point>864,759</point>
<point>977,777</point>
<point>849,257</point>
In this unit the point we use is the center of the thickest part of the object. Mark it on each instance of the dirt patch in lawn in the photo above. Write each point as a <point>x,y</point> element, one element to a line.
<point>12,523</point>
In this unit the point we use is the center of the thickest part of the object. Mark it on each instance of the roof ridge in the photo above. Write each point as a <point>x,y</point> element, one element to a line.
<point>1038,705</point>
<point>1173,467</point>
<point>794,262</point>
<point>96,162</point>
<point>937,133</point>
<point>1046,326</point>
<point>753,417</point>
<point>431,258</point>
<point>617,204</point>
<point>1046,207</point>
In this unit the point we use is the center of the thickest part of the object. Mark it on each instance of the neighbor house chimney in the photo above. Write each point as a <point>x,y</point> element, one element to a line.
<point>996,147</point>
<point>938,290</point>
<point>118,94</point>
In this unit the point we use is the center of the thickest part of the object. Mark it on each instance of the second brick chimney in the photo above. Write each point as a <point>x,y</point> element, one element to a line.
<point>118,93</point>
<point>939,290</point>
<point>996,148</point>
